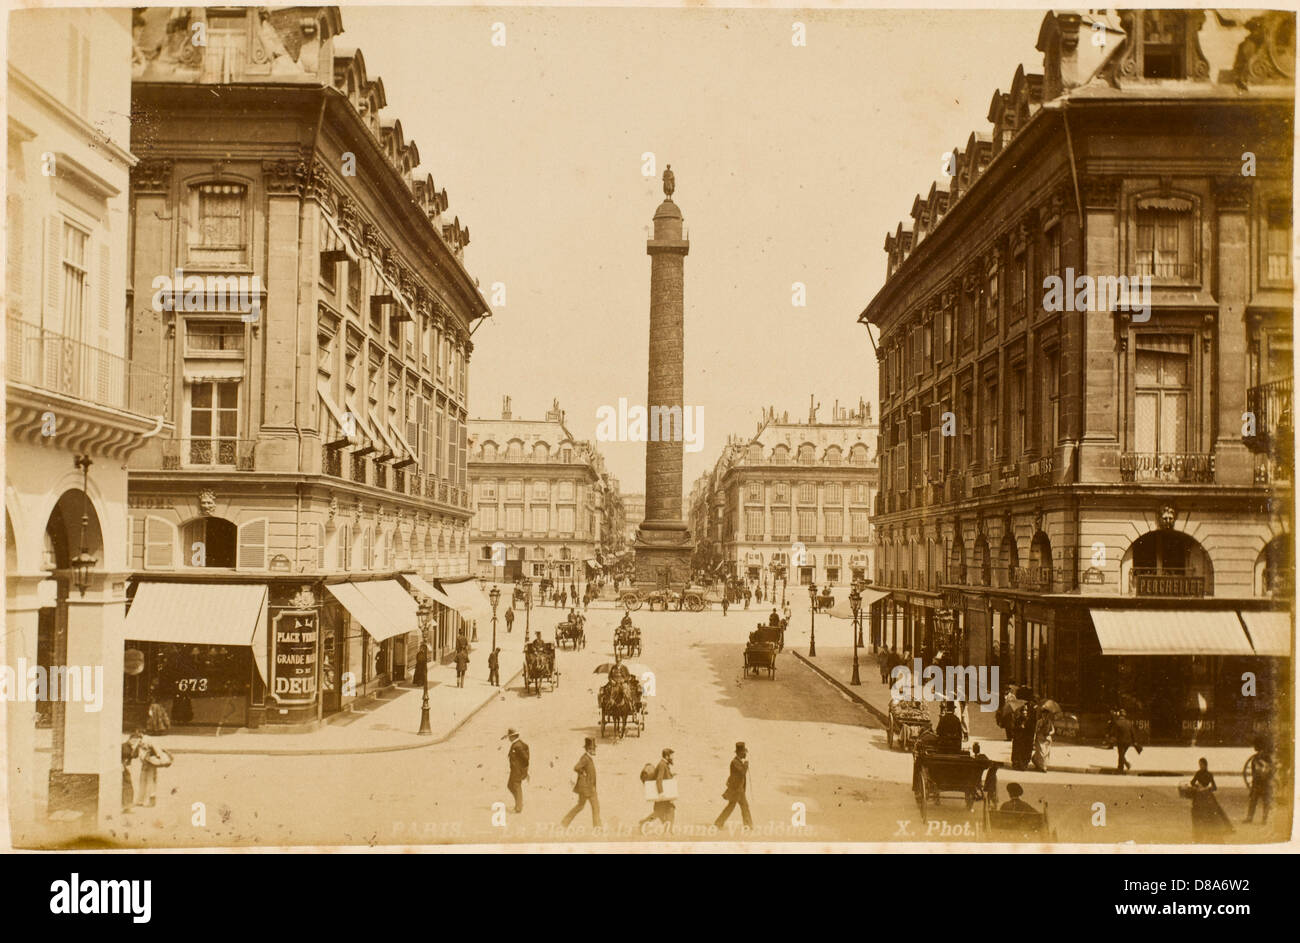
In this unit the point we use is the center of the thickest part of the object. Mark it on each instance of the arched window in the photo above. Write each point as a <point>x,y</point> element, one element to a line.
<point>781,454</point>
<point>858,455</point>
<point>1040,563</point>
<point>218,224</point>
<point>982,564</point>
<point>806,454</point>
<point>1167,563</point>
<point>541,452</point>
<point>1276,568</point>
<point>1010,559</point>
<point>833,455</point>
<point>489,451</point>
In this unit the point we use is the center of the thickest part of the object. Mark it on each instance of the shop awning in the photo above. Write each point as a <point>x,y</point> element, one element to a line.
<point>340,420</point>
<point>420,585</point>
<point>871,596</point>
<point>1170,632</point>
<point>469,600</point>
<point>382,607</point>
<point>1270,632</point>
<point>200,614</point>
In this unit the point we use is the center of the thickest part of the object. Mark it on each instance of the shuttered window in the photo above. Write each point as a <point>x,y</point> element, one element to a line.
<point>252,545</point>
<point>159,544</point>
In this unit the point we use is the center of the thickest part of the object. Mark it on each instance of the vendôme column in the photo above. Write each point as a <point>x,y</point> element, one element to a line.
<point>663,545</point>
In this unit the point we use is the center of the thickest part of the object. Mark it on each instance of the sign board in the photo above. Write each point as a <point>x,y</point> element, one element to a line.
<point>294,637</point>
<point>1094,575</point>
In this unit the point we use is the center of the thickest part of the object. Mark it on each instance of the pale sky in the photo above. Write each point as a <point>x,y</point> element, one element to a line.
<point>791,165</point>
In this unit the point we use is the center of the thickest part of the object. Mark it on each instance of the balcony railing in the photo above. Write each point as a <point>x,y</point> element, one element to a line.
<point>1270,470</point>
<point>235,454</point>
<point>50,361</point>
<point>1270,403</point>
<point>1040,471</point>
<point>1152,581</point>
<point>332,462</point>
<point>1197,467</point>
<point>1034,579</point>
<point>980,480</point>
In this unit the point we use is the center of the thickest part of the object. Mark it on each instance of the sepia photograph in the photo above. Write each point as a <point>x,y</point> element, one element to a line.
<point>847,429</point>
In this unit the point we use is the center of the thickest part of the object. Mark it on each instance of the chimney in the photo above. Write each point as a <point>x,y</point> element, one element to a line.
<point>505,407</point>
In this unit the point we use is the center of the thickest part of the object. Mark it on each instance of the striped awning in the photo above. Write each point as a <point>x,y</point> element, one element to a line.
<point>382,607</point>
<point>1170,632</point>
<point>468,600</point>
<point>340,419</point>
<point>200,614</point>
<point>1270,632</point>
<point>420,585</point>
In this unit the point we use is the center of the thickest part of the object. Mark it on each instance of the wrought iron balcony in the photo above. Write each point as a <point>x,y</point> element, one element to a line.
<point>48,361</point>
<point>1193,467</point>
<point>236,454</point>
<point>1034,579</point>
<point>1167,581</point>
<point>332,462</point>
<point>1270,403</point>
<point>1040,471</point>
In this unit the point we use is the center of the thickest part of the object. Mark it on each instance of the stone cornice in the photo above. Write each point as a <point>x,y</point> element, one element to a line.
<point>79,426</point>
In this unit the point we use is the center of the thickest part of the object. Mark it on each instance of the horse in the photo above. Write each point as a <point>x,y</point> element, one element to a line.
<point>538,664</point>
<point>615,705</point>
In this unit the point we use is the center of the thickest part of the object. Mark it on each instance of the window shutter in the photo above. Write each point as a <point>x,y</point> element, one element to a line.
<point>130,534</point>
<point>159,544</point>
<point>53,269</point>
<point>14,255</point>
<point>252,545</point>
<point>103,277</point>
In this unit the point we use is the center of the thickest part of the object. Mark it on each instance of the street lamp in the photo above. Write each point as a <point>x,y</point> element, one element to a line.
<point>425,613</point>
<point>855,603</point>
<point>812,604</point>
<point>494,597</point>
<point>84,561</point>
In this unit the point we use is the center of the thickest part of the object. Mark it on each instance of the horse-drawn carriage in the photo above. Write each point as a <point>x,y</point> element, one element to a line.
<point>766,632</point>
<point>689,598</point>
<point>539,666</point>
<point>825,600</point>
<point>973,778</point>
<point>620,701</point>
<point>571,633</point>
<point>627,641</point>
<point>760,655</point>
<point>907,721</point>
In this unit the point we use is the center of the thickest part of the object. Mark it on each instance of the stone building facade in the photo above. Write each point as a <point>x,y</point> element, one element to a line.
<point>792,504</point>
<point>538,500</point>
<point>73,395</point>
<point>1071,486</point>
<point>305,291</point>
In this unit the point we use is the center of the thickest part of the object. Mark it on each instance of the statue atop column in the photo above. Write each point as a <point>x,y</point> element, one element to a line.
<point>669,181</point>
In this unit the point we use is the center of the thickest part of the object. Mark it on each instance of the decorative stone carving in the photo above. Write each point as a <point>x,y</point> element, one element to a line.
<point>1167,516</point>
<point>152,175</point>
<point>286,176</point>
<point>207,502</point>
<point>303,599</point>
<point>1267,55</point>
<point>333,510</point>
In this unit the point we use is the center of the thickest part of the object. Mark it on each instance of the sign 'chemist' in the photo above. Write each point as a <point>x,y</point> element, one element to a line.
<point>293,658</point>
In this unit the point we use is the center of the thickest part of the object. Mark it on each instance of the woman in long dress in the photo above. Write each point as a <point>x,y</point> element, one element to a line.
<point>1044,731</point>
<point>1209,821</point>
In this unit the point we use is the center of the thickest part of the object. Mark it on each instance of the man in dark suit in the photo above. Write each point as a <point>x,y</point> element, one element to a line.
<point>585,787</point>
<point>1122,736</point>
<point>949,729</point>
<point>1015,803</point>
<point>518,757</point>
<point>737,780</point>
<point>494,668</point>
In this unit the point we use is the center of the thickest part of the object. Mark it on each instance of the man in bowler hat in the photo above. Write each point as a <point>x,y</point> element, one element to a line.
<point>737,780</point>
<point>518,757</point>
<point>585,787</point>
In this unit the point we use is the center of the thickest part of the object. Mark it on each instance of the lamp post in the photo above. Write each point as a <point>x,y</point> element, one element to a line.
<point>84,561</point>
<point>528,610</point>
<point>812,609</point>
<point>494,597</point>
<point>855,603</point>
<point>425,613</point>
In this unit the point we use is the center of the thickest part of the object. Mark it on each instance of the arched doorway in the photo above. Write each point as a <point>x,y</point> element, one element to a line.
<point>1167,563</point>
<point>1275,568</point>
<point>72,531</point>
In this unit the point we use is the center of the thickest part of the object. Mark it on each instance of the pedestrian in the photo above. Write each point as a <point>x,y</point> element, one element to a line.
<point>1022,740</point>
<point>573,592</point>
<point>510,619</point>
<point>152,758</point>
<point>734,793</point>
<point>664,810</point>
<point>1262,768</point>
<point>518,757</point>
<point>1209,821</point>
<point>748,596</point>
<point>1005,716</point>
<point>128,784</point>
<point>494,668</point>
<point>1044,732</point>
<point>724,604</point>
<point>586,599</point>
<point>462,665</point>
<point>887,660</point>
<point>758,595</point>
<point>564,597</point>
<point>1121,737</point>
<point>421,673</point>
<point>585,787</point>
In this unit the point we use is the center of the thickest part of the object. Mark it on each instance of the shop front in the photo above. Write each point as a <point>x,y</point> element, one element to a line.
<point>197,651</point>
<point>368,624</point>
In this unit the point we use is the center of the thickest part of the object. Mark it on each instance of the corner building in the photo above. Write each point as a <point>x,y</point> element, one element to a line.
<point>311,473</point>
<point>1074,495</point>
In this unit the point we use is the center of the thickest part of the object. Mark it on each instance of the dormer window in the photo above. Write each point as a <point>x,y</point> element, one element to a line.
<point>1163,45</point>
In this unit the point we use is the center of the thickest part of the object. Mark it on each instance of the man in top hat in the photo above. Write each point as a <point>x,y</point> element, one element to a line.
<point>949,729</point>
<point>585,787</point>
<point>494,668</point>
<point>1015,803</point>
<point>737,780</point>
<point>518,757</point>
